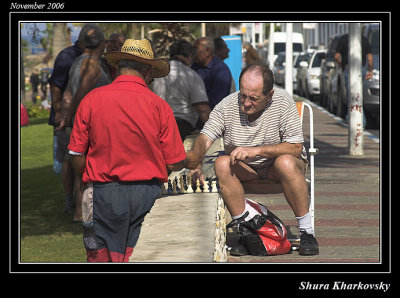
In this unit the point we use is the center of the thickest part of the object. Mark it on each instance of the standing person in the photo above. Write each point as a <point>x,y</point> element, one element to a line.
<point>263,139</point>
<point>113,44</point>
<point>222,51</point>
<point>85,75</point>
<point>215,73</point>
<point>44,80</point>
<point>221,48</point>
<point>123,142</point>
<point>342,55</point>
<point>183,89</point>
<point>35,81</point>
<point>58,83</point>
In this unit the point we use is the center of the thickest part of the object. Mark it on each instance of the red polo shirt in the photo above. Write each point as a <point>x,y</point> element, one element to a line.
<point>128,132</point>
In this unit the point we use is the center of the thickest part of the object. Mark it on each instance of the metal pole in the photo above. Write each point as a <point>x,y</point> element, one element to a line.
<point>355,99</point>
<point>289,59</point>
<point>253,35</point>
<point>271,45</point>
<point>261,35</point>
<point>203,29</point>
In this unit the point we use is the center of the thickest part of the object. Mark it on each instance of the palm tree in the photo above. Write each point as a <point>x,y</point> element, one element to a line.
<point>60,40</point>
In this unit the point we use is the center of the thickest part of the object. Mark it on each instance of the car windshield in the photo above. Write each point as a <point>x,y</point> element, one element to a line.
<point>281,47</point>
<point>282,59</point>
<point>318,59</point>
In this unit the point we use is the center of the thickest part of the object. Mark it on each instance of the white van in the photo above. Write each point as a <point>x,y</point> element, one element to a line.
<point>279,41</point>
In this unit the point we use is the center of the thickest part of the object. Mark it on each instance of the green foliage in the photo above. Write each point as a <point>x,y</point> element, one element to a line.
<point>37,111</point>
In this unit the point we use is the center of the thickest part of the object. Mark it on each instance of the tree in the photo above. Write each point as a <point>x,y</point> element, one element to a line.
<point>60,40</point>
<point>169,33</point>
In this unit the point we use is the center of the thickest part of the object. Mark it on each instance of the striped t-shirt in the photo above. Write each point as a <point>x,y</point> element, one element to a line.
<point>280,122</point>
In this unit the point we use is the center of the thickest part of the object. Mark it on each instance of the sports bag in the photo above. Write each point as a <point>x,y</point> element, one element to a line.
<point>264,234</point>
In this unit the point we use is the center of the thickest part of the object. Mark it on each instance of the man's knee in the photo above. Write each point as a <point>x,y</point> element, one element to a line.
<point>222,165</point>
<point>287,165</point>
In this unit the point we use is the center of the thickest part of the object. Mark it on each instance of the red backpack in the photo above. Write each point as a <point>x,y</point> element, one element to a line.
<point>264,234</point>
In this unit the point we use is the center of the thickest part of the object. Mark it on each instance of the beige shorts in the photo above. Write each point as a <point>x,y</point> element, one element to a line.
<point>87,205</point>
<point>264,170</point>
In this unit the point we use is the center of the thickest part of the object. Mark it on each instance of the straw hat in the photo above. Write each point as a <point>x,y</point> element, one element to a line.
<point>141,51</point>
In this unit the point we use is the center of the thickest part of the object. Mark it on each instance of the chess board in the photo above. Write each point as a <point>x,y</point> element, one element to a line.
<point>179,182</point>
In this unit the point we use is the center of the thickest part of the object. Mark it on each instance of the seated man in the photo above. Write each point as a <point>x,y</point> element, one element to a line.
<point>263,139</point>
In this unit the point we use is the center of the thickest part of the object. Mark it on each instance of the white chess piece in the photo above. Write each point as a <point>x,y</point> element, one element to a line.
<point>182,186</point>
<point>189,184</point>
<point>214,186</point>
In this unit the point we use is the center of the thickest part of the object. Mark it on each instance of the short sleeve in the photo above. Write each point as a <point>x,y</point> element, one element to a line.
<point>79,140</point>
<point>198,91</point>
<point>214,127</point>
<point>290,126</point>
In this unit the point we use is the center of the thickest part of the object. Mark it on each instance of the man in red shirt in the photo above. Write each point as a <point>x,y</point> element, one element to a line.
<point>124,141</point>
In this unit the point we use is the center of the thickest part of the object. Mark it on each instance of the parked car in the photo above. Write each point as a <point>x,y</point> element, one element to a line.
<point>279,69</point>
<point>308,74</point>
<point>327,70</point>
<point>300,72</point>
<point>278,40</point>
<point>371,101</point>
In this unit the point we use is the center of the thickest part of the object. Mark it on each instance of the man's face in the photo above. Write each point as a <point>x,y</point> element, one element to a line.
<point>202,53</point>
<point>223,53</point>
<point>114,43</point>
<point>253,101</point>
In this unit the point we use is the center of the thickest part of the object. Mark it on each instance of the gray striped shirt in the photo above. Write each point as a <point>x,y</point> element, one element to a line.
<point>280,122</point>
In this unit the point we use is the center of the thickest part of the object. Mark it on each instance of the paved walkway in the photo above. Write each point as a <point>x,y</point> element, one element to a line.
<point>181,228</point>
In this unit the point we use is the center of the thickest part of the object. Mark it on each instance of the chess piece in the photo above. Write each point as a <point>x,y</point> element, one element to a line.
<point>170,188</point>
<point>174,186</point>
<point>189,184</point>
<point>214,186</point>
<point>164,189</point>
<point>198,187</point>
<point>182,186</point>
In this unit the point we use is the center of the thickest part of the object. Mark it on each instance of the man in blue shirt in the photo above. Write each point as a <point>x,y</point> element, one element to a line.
<point>214,72</point>
<point>58,82</point>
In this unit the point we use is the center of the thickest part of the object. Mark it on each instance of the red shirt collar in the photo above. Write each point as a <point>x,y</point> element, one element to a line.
<point>130,78</point>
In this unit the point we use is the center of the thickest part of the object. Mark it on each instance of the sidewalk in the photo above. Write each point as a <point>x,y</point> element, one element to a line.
<point>182,228</point>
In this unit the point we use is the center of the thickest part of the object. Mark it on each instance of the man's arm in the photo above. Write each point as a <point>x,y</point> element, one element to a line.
<point>198,152</point>
<point>78,163</point>
<point>56,95</point>
<point>370,62</point>
<point>268,151</point>
<point>203,109</point>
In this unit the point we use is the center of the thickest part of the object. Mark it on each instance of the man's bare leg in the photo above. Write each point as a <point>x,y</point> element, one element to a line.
<point>231,189</point>
<point>288,170</point>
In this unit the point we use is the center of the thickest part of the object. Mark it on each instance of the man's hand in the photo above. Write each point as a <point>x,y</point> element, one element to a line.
<point>195,175</point>
<point>243,154</point>
<point>368,75</point>
<point>192,160</point>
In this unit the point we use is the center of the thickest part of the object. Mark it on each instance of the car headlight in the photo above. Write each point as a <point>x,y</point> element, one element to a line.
<point>313,77</point>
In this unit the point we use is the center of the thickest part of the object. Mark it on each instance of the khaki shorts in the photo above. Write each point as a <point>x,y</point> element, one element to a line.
<point>264,170</point>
